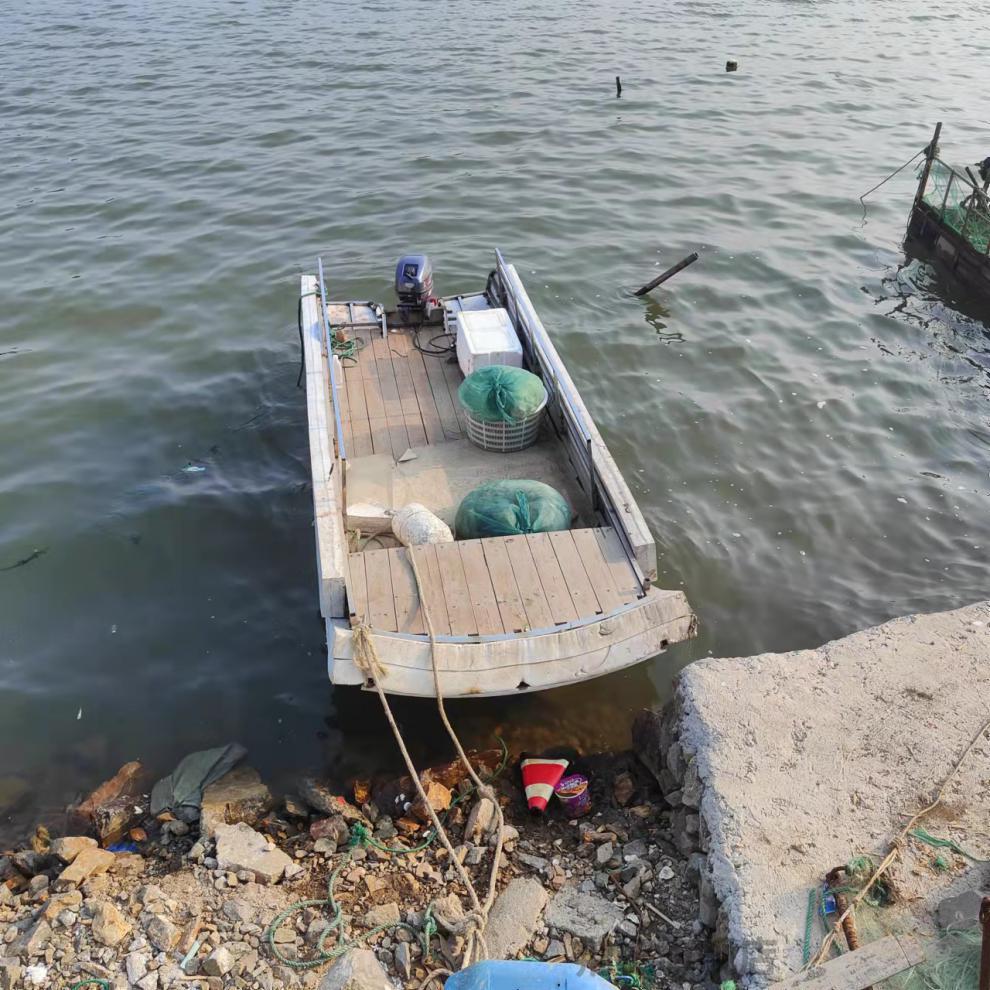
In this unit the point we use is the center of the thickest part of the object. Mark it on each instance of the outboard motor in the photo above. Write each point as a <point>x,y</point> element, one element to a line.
<point>414,283</point>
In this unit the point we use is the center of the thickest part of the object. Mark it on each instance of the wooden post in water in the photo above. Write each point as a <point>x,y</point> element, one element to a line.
<point>618,87</point>
<point>650,286</point>
<point>930,153</point>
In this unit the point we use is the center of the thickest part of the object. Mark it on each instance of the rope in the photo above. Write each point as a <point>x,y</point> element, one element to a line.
<point>892,174</point>
<point>895,847</point>
<point>93,979</point>
<point>931,840</point>
<point>367,659</point>
<point>809,919</point>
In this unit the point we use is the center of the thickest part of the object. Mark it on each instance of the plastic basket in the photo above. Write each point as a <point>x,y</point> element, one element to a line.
<point>505,437</point>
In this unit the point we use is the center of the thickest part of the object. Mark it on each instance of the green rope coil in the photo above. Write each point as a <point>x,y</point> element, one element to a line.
<point>809,918</point>
<point>93,979</point>
<point>935,842</point>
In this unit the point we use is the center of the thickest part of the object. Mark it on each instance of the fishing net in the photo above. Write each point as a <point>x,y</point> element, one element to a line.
<point>951,196</point>
<point>499,393</point>
<point>511,508</point>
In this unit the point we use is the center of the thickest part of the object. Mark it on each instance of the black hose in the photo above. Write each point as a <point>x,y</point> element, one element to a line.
<point>302,354</point>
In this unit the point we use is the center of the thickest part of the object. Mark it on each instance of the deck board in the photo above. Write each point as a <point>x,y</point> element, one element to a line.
<point>479,582</point>
<point>436,602</point>
<point>455,589</point>
<point>490,587</point>
<point>552,578</point>
<point>576,578</point>
<point>597,569</point>
<point>381,603</point>
<point>506,589</point>
<point>408,614</point>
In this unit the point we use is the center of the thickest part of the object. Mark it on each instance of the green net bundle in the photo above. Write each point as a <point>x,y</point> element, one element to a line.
<point>511,508</point>
<point>499,393</point>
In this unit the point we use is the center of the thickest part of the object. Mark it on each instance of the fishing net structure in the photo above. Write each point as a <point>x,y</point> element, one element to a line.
<point>498,393</point>
<point>511,508</point>
<point>955,200</point>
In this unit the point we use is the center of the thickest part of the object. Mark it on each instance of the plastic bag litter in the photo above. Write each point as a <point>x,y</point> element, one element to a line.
<point>499,393</point>
<point>511,508</point>
<point>414,524</point>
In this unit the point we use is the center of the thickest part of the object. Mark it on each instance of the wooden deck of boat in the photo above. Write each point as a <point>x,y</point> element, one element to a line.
<point>513,583</point>
<point>396,397</point>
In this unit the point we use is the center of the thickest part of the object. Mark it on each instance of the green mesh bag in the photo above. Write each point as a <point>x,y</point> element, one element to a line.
<point>511,508</point>
<point>499,393</point>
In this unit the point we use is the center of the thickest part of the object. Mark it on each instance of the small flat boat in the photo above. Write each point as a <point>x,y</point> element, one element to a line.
<point>496,615</point>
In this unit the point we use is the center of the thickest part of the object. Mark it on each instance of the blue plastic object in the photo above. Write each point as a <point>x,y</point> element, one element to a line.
<point>523,975</point>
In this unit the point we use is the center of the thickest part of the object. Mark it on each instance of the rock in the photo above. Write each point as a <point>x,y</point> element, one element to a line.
<point>70,846</point>
<point>89,862</point>
<point>219,962</point>
<point>162,934</point>
<point>475,855</point>
<point>403,961</point>
<point>239,847</point>
<point>239,796</point>
<point>34,941</point>
<point>604,853</point>
<point>665,873</point>
<point>10,974</point>
<point>126,782</point>
<point>961,911</point>
<point>38,885</point>
<point>637,849</point>
<point>110,927</point>
<point>136,965</point>
<point>333,828</point>
<point>449,913</point>
<point>319,797</point>
<point>126,864</point>
<point>555,949</point>
<point>623,788</point>
<point>68,901</point>
<point>356,969</point>
<point>383,914</point>
<point>407,886</point>
<point>480,820</point>
<point>148,982</point>
<point>240,910</point>
<point>113,820</point>
<point>588,916</point>
<point>294,807</point>
<point>691,791</point>
<point>437,796</point>
<point>514,916</point>
<point>325,847</point>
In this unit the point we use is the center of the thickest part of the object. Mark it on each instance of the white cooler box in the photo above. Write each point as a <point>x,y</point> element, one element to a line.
<point>485,337</point>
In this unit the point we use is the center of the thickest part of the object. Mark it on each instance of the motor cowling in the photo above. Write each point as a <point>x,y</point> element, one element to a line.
<point>414,281</point>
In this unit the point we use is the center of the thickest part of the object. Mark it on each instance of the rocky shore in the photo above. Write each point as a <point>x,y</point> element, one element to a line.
<point>238,896</point>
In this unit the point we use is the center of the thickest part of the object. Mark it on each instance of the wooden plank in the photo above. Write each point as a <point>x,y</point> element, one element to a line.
<point>868,965</point>
<point>357,588</point>
<point>357,408</point>
<point>455,590</point>
<point>441,396</point>
<point>598,571</point>
<point>575,577</point>
<point>551,577</point>
<point>424,397</point>
<point>431,587</point>
<point>398,435</point>
<point>479,583</point>
<point>400,346</point>
<point>408,614</point>
<point>507,596</point>
<point>381,605</point>
<point>626,583</point>
<point>528,582</point>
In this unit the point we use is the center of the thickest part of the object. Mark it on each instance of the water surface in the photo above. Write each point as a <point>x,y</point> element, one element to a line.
<point>802,414</point>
